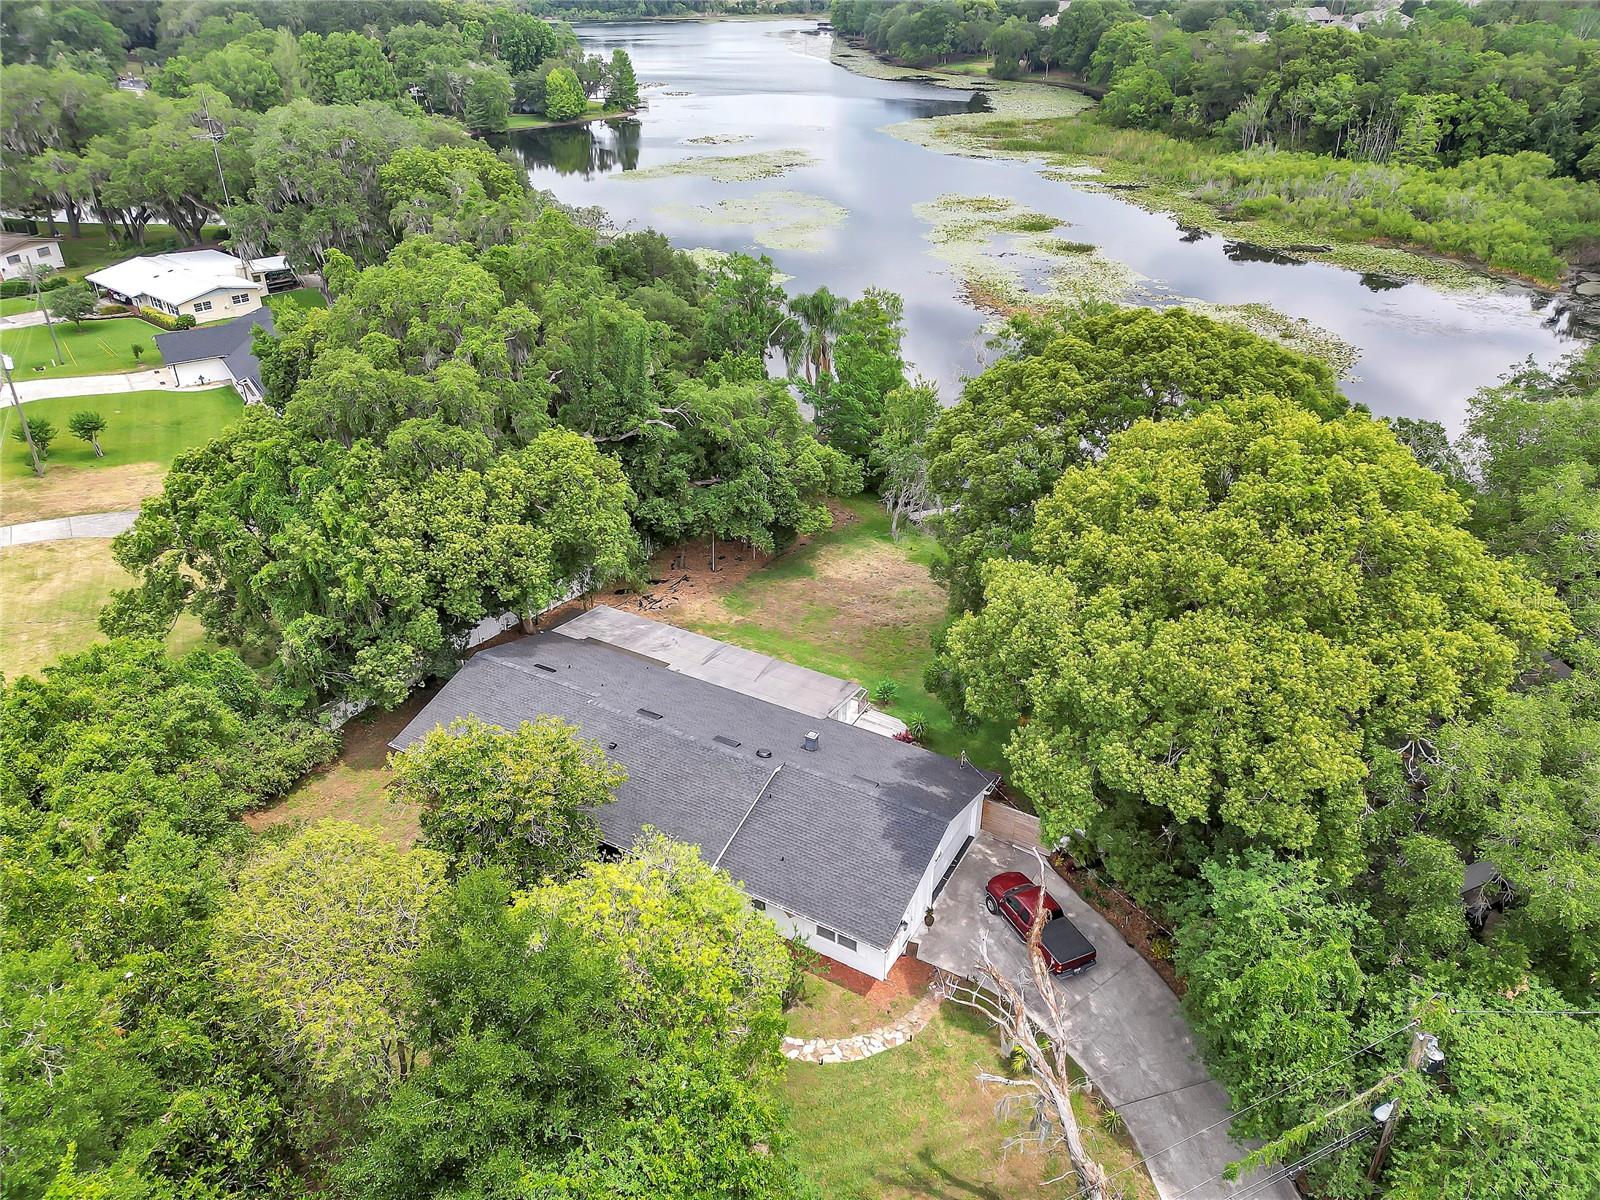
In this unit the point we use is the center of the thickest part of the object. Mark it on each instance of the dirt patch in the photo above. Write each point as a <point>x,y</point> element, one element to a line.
<point>69,491</point>
<point>683,587</point>
<point>355,786</point>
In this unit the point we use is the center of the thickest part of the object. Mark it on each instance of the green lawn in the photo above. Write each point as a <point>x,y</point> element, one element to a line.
<point>597,111</point>
<point>856,604</point>
<point>93,348</point>
<point>306,297</point>
<point>53,593</point>
<point>914,1122</point>
<point>12,305</point>
<point>144,432</point>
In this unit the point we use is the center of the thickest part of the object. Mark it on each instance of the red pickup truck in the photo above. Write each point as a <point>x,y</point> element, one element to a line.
<point>1015,897</point>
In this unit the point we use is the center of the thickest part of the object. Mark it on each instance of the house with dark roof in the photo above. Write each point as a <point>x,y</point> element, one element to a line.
<point>218,353</point>
<point>841,835</point>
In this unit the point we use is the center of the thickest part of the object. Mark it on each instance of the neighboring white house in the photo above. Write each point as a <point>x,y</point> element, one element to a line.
<point>20,251</point>
<point>207,284</point>
<point>841,836</point>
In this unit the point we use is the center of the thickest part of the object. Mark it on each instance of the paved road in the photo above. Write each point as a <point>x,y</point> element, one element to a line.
<point>90,525</point>
<point>21,320</point>
<point>1123,1026</point>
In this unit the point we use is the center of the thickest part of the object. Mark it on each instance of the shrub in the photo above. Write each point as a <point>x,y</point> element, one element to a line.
<point>43,434</point>
<point>884,692</point>
<point>184,321</point>
<point>164,320</point>
<point>21,287</point>
<point>917,728</point>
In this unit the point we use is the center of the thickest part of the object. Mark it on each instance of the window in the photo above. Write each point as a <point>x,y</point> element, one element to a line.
<point>758,905</point>
<point>13,258</point>
<point>241,298</point>
<point>202,306</point>
<point>849,943</point>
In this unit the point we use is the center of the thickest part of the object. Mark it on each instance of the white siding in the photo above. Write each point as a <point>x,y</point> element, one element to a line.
<point>222,304</point>
<point>964,826</point>
<point>866,958</point>
<point>44,254</point>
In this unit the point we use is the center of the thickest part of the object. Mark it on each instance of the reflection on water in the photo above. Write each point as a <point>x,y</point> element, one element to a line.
<point>1250,252</point>
<point>1374,282</point>
<point>733,88</point>
<point>582,150</point>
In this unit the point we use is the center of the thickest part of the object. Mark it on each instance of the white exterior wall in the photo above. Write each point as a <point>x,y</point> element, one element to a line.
<point>207,370</point>
<point>44,254</point>
<point>874,960</point>
<point>866,958</point>
<point>965,825</point>
<point>222,304</point>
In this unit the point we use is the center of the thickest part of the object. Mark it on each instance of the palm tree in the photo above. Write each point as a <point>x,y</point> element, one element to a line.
<point>821,314</point>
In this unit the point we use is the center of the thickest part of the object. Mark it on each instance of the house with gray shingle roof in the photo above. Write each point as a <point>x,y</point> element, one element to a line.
<point>841,835</point>
<point>218,353</point>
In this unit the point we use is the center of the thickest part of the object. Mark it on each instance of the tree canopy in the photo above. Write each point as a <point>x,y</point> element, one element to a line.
<point>518,800</point>
<point>1227,616</point>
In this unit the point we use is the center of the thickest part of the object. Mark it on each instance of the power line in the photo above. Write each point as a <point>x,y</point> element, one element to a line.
<point>1524,1012</point>
<point>1228,1120</point>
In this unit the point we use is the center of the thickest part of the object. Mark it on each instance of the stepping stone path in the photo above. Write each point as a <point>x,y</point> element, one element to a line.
<point>863,1045</point>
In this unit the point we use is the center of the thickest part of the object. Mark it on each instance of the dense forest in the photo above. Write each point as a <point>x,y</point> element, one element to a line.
<point>1282,670</point>
<point>1471,131</point>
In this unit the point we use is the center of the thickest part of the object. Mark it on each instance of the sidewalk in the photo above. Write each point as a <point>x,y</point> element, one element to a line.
<point>90,525</point>
<point>151,380</point>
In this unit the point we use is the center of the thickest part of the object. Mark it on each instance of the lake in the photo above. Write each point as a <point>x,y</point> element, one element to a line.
<point>842,214</point>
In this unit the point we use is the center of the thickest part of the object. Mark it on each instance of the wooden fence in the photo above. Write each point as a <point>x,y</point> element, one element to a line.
<point>1010,824</point>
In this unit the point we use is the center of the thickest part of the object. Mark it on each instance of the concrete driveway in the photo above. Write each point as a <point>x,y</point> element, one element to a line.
<point>1123,1026</point>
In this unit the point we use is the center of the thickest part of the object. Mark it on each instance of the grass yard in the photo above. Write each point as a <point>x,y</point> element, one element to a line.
<point>50,595</point>
<point>93,348</point>
<point>597,112</point>
<point>92,249</point>
<point>852,603</point>
<point>306,297</point>
<point>144,432</point>
<point>915,1122</point>
<point>354,787</point>
<point>11,306</point>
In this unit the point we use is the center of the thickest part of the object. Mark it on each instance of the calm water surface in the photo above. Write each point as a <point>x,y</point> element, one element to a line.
<point>769,84</point>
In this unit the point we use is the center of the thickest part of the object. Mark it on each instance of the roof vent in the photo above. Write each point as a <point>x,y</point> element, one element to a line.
<point>545,667</point>
<point>726,741</point>
<point>763,753</point>
<point>611,745</point>
<point>645,712</point>
<point>811,740</point>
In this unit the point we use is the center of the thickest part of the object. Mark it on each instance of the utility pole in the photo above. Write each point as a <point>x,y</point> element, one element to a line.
<point>34,274</point>
<point>1424,1050</point>
<point>212,131</point>
<point>27,433</point>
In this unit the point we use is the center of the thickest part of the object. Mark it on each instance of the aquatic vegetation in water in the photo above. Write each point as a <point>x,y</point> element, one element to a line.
<point>719,139</point>
<point>1296,333</point>
<point>781,220</point>
<point>1005,264</point>
<point>730,168</point>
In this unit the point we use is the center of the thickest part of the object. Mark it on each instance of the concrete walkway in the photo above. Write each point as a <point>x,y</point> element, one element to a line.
<point>157,379</point>
<point>1123,1026</point>
<point>22,320</point>
<point>90,525</point>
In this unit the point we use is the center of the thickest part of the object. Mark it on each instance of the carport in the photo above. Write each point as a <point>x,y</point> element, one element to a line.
<point>1122,1025</point>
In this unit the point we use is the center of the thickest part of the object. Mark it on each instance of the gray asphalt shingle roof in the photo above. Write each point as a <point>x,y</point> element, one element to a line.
<point>841,835</point>
<point>227,340</point>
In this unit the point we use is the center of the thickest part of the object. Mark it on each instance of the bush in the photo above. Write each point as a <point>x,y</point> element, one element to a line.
<point>12,288</point>
<point>156,317</point>
<point>884,692</point>
<point>184,321</point>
